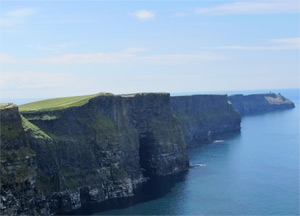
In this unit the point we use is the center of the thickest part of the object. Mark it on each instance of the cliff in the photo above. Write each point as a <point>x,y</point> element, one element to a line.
<point>98,150</point>
<point>18,169</point>
<point>202,116</point>
<point>255,103</point>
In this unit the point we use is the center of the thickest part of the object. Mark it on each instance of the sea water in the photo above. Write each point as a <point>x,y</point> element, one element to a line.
<point>251,172</point>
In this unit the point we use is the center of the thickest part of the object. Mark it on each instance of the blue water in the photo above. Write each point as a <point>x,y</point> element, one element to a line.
<point>254,172</point>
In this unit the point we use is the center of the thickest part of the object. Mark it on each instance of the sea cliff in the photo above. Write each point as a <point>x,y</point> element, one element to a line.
<point>58,155</point>
<point>256,103</point>
<point>18,169</point>
<point>203,116</point>
<point>89,153</point>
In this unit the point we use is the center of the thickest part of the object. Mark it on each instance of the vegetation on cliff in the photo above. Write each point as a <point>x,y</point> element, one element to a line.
<point>34,131</point>
<point>59,103</point>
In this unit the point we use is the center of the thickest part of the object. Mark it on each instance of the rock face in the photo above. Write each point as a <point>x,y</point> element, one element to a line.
<point>18,169</point>
<point>255,103</point>
<point>97,151</point>
<point>202,116</point>
<point>162,146</point>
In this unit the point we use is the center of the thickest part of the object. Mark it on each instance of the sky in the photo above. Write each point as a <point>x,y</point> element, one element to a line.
<point>57,48</point>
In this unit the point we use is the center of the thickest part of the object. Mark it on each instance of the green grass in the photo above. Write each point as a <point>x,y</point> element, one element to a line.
<point>35,131</point>
<point>58,103</point>
<point>7,106</point>
<point>9,130</point>
<point>3,105</point>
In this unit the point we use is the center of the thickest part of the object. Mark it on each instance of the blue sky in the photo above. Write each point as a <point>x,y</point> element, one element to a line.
<point>63,48</point>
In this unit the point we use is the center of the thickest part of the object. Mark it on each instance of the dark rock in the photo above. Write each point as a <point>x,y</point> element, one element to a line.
<point>203,116</point>
<point>19,194</point>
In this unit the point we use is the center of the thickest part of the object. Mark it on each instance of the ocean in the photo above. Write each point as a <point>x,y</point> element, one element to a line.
<point>251,172</point>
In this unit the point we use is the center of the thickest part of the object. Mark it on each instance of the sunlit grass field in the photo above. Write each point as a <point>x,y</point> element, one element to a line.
<point>58,103</point>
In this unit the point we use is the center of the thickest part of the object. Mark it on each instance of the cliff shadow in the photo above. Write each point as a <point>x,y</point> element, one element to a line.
<point>223,136</point>
<point>155,188</point>
<point>268,112</point>
<point>226,136</point>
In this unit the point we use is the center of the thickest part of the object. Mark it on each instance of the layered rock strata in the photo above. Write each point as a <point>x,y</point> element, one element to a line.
<point>18,169</point>
<point>203,116</point>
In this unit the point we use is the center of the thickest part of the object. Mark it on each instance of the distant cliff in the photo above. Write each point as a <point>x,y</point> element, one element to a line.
<point>88,153</point>
<point>202,116</point>
<point>255,103</point>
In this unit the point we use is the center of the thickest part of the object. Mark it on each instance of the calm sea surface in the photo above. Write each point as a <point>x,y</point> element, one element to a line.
<point>254,172</point>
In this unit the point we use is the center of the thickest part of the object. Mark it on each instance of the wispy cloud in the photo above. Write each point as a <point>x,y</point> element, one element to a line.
<point>136,49</point>
<point>178,14</point>
<point>253,7</point>
<point>32,80</point>
<point>16,16</point>
<point>57,21</point>
<point>130,56</point>
<point>291,41</point>
<point>278,44</point>
<point>181,58</point>
<point>144,15</point>
<point>21,12</point>
<point>53,47</point>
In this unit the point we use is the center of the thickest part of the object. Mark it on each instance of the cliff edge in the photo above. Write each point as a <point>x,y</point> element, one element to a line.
<point>256,103</point>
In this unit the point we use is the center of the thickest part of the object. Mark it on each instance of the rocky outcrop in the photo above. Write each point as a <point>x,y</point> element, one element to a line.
<point>19,194</point>
<point>256,103</point>
<point>97,151</point>
<point>203,116</point>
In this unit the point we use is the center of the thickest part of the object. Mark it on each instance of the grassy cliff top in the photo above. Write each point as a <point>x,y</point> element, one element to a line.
<point>59,103</point>
<point>66,102</point>
<point>7,105</point>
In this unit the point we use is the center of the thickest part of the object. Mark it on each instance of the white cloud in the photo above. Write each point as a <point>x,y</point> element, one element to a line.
<point>291,41</point>
<point>55,21</point>
<point>135,49</point>
<point>15,16</point>
<point>32,80</point>
<point>180,58</point>
<point>179,14</point>
<point>120,57</point>
<point>144,14</point>
<point>253,7</point>
<point>259,48</point>
<point>99,57</point>
<point>279,44</point>
<point>53,47</point>
<point>7,21</point>
<point>6,58</point>
<point>21,12</point>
